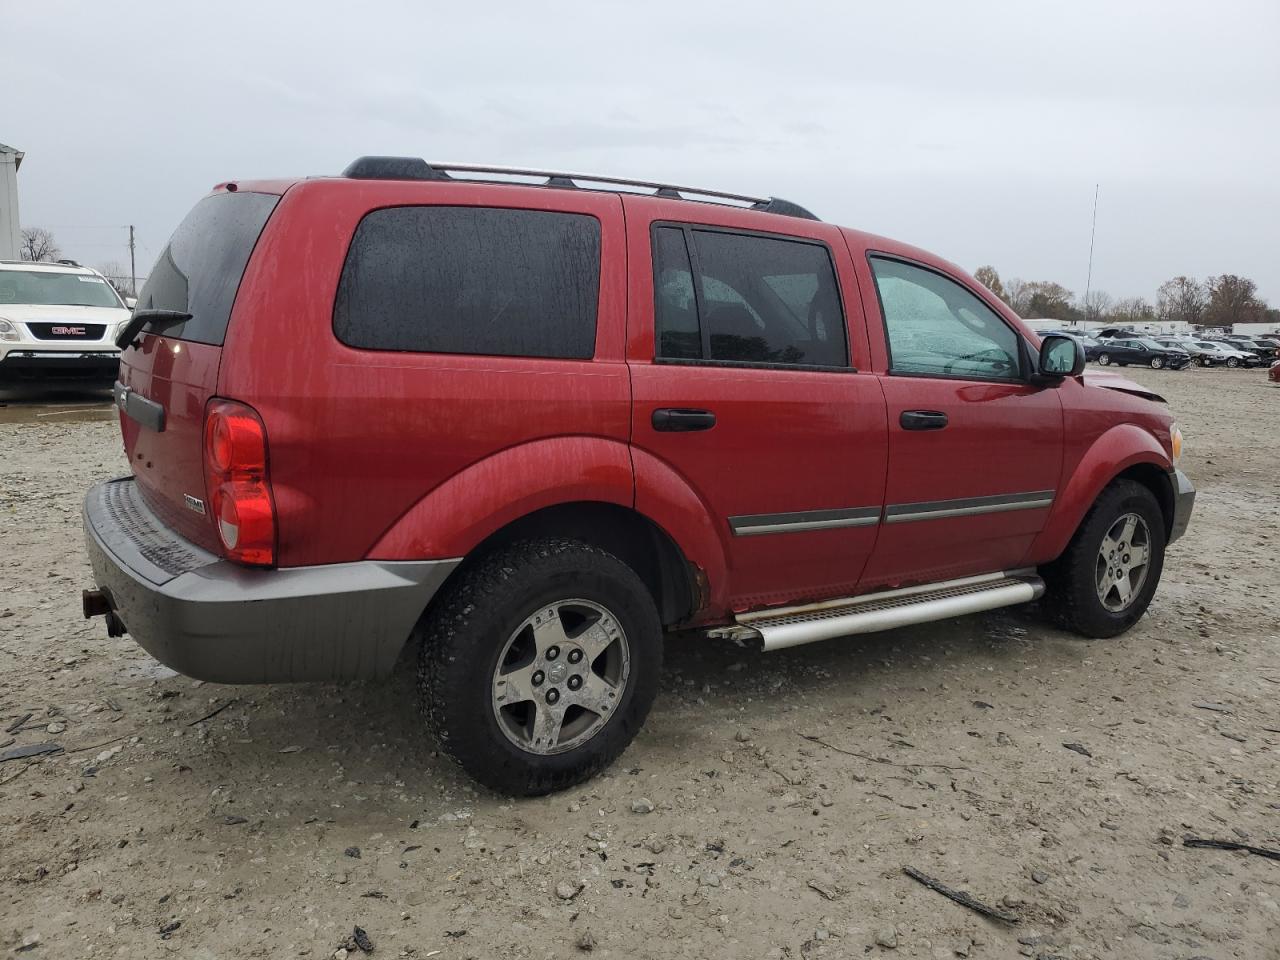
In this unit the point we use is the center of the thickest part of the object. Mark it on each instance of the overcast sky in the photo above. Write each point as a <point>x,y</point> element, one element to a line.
<point>977,130</point>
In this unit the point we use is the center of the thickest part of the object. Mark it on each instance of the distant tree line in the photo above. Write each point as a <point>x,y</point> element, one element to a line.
<point>1216,302</point>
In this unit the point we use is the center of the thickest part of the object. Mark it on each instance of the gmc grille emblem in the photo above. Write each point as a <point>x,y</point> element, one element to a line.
<point>68,331</point>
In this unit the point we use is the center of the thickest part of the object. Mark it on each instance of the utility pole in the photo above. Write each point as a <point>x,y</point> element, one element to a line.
<point>1088,283</point>
<point>133,266</point>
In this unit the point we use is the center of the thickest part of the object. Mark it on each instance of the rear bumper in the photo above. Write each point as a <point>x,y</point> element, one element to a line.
<point>218,621</point>
<point>1184,498</point>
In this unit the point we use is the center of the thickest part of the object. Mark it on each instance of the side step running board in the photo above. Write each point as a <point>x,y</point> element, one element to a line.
<point>791,626</point>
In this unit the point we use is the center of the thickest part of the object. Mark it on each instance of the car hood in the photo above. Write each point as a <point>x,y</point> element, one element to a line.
<point>1114,381</point>
<point>41,313</point>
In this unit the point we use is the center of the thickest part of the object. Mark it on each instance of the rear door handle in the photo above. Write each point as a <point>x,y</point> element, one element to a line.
<point>679,420</point>
<point>922,420</point>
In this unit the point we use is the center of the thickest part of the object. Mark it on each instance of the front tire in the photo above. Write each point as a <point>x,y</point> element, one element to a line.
<point>1233,362</point>
<point>539,665</point>
<point>1104,359</point>
<point>1105,579</point>
<point>1157,363</point>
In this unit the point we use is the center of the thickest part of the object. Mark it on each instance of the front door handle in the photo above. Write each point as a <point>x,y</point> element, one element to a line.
<point>922,420</point>
<point>679,420</point>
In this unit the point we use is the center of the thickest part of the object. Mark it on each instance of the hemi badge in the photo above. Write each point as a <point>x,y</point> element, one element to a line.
<point>195,504</point>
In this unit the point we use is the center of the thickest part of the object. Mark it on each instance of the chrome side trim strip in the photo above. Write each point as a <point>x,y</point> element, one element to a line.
<point>970,506</point>
<point>750,526</point>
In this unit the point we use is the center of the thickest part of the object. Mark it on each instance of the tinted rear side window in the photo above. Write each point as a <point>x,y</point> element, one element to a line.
<point>745,298</point>
<point>475,280</point>
<point>199,270</point>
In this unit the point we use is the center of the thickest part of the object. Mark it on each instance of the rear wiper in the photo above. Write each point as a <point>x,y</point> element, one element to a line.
<point>156,319</point>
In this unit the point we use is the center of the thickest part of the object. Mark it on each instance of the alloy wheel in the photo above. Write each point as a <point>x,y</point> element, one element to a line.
<point>1123,558</point>
<point>560,676</point>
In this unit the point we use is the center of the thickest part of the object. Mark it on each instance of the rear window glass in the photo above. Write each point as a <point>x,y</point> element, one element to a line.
<point>199,270</point>
<point>475,280</point>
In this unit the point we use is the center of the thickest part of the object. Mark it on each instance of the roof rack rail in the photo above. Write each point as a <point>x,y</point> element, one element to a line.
<point>415,168</point>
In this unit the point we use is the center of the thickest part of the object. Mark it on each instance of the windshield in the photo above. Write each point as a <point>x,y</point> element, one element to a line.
<point>49,288</point>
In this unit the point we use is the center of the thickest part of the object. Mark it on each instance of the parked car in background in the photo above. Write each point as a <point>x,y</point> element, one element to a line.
<point>1271,341</point>
<point>535,427</point>
<point>1262,350</point>
<point>1144,351</point>
<point>58,320</point>
<point>1199,355</point>
<point>1227,354</point>
<point>1274,373</point>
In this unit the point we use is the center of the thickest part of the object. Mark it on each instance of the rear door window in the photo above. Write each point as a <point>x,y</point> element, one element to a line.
<point>474,280</point>
<point>745,298</point>
<point>200,268</point>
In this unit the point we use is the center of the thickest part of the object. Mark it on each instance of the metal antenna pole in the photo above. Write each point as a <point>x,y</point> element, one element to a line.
<point>133,266</point>
<point>1088,283</point>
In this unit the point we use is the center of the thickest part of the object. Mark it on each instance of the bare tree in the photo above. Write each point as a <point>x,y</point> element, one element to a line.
<point>1017,294</point>
<point>1132,310</point>
<point>1181,299</point>
<point>38,244</point>
<point>989,278</point>
<point>1095,304</point>
<point>117,275</point>
<point>1232,299</point>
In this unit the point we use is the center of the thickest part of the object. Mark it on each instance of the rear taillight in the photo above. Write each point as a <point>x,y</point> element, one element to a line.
<point>239,487</point>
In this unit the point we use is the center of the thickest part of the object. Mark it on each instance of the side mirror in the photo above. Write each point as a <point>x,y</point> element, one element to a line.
<point>131,302</point>
<point>1061,357</point>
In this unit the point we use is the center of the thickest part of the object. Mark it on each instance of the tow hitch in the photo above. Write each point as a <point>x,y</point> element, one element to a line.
<point>97,603</point>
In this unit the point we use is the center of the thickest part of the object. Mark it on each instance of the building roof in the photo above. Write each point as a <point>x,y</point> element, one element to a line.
<point>18,154</point>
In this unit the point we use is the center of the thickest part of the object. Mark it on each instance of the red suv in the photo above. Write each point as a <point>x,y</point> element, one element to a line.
<point>528,427</point>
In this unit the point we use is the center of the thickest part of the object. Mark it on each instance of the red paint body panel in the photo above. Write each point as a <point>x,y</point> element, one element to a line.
<point>181,376</point>
<point>421,456</point>
<point>1001,438</point>
<point>360,437</point>
<point>784,440</point>
<point>485,496</point>
<point>1105,433</point>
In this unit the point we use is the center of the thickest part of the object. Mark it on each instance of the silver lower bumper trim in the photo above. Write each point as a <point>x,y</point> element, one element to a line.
<point>218,621</point>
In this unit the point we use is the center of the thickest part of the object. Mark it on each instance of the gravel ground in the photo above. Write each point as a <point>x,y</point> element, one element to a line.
<point>767,810</point>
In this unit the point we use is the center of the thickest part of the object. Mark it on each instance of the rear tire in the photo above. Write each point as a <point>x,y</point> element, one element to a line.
<point>1084,589</point>
<point>535,620</point>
